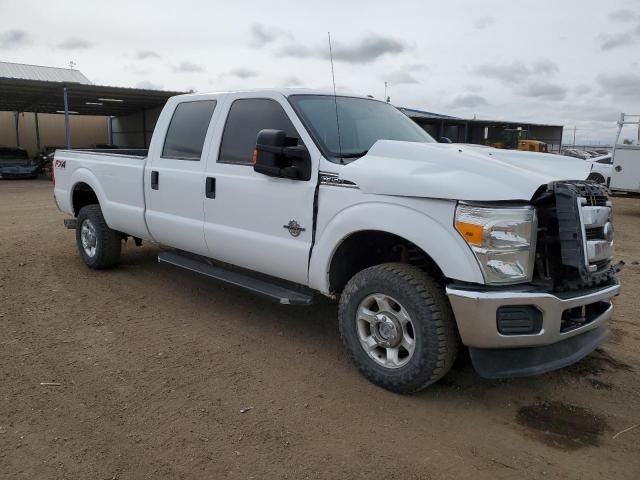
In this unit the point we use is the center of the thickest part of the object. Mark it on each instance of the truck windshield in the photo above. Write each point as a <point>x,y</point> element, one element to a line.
<point>362,123</point>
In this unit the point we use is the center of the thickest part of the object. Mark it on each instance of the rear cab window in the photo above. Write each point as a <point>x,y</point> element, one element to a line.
<point>187,130</point>
<point>247,116</point>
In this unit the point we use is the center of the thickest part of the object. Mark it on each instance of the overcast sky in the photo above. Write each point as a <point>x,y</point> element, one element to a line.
<point>572,62</point>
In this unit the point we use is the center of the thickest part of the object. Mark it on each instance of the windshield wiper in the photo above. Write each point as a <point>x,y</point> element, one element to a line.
<point>353,155</point>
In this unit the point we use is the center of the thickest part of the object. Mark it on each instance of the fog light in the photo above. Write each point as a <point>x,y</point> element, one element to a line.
<point>519,320</point>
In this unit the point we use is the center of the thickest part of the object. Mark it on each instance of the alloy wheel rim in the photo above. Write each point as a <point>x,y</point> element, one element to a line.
<point>385,330</point>
<point>88,238</point>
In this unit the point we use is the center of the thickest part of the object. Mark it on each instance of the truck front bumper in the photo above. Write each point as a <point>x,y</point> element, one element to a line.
<point>567,327</point>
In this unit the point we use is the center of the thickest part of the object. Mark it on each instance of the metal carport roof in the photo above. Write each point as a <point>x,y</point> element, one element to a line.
<point>25,95</point>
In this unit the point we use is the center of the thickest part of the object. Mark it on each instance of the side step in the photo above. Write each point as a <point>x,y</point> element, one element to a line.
<point>255,284</point>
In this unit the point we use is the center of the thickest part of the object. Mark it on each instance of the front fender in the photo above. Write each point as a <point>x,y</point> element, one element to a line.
<point>433,232</point>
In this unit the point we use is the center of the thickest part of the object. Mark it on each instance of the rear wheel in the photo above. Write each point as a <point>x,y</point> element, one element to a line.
<point>397,324</point>
<point>99,246</point>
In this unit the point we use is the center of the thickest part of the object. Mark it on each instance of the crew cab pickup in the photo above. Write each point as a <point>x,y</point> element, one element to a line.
<point>426,246</point>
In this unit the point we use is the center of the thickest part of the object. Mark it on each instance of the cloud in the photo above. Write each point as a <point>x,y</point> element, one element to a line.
<point>415,66</point>
<point>365,50</point>
<point>483,22</point>
<point>468,100</point>
<point>616,40</point>
<point>517,71</point>
<point>590,111</point>
<point>296,51</point>
<point>74,44</point>
<point>291,81</point>
<point>261,35</point>
<point>187,67</point>
<point>148,85</point>
<point>583,89</point>
<point>514,73</point>
<point>243,73</point>
<point>14,39</point>
<point>145,54</point>
<point>544,90</point>
<point>400,78</point>
<point>622,85</point>
<point>544,66</point>
<point>623,15</point>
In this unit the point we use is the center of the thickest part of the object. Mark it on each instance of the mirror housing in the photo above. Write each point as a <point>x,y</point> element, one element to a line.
<point>277,155</point>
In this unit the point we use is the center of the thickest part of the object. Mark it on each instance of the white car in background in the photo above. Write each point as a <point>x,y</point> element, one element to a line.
<point>601,168</point>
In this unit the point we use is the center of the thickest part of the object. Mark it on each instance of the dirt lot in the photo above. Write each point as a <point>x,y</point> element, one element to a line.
<point>156,366</point>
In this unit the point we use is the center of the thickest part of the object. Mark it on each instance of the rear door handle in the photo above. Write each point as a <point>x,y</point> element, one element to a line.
<point>210,187</point>
<point>155,180</point>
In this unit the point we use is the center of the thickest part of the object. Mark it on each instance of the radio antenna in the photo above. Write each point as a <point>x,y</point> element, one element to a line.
<point>335,98</point>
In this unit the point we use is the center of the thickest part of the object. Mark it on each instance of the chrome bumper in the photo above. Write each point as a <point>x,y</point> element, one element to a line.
<point>475,313</point>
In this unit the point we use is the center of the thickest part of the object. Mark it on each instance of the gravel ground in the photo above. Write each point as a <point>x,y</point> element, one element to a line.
<point>154,372</point>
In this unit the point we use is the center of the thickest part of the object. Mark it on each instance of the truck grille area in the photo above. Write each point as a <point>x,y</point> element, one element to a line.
<point>577,317</point>
<point>575,235</point>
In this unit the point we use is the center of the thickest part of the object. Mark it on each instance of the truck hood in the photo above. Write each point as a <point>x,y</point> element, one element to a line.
<point>458,172</point>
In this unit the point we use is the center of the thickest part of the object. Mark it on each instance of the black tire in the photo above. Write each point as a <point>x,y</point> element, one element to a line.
<point>597,178</point>
<point>108,242</point>
<point>436,335</point>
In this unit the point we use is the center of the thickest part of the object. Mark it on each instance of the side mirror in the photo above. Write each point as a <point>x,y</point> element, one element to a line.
<point>445,140</point>
<point>277,155</point>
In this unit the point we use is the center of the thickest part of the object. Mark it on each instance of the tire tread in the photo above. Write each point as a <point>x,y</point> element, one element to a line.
<point>445,343</point>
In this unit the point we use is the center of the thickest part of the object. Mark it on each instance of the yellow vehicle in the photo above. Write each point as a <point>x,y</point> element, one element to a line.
<point>532,146</point>
<point>516,139</point>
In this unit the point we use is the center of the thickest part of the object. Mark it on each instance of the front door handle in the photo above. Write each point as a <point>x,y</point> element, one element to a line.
<point>155,180</point>
<point>210,187</point>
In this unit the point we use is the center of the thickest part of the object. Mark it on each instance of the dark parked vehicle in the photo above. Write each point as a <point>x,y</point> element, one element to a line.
<point>45,159</point>
<point>15,163</point>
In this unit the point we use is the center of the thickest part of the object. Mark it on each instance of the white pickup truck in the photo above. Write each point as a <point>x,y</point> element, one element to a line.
<point>426,245</point>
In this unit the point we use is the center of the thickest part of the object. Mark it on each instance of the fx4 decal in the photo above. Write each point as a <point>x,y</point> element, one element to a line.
<point>61,164</point>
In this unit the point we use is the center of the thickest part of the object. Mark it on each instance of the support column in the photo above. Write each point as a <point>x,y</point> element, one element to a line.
<point>67,132</point>
<point>37,131</point>
<point>110,129</point>
<point>17,120</point>
<point>144,129</point>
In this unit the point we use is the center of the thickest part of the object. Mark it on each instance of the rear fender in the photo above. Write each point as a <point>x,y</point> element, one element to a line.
<point>84,175</point>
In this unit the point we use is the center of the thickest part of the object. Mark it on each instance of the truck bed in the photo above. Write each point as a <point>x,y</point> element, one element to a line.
<point>117,177</point>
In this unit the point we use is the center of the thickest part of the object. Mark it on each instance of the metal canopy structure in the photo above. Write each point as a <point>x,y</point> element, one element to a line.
<point>23,95</point>
<point>467,130</point>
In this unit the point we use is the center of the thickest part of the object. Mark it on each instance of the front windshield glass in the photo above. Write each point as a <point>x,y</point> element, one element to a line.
<point>362,123</point>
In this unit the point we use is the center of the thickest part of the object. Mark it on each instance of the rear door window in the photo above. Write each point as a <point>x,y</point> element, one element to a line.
<point>187,130</point>
<point>246,118</point>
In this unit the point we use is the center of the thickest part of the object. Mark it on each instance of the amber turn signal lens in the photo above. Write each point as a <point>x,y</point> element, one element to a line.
<point>472,233</point>
<point>254,157</point>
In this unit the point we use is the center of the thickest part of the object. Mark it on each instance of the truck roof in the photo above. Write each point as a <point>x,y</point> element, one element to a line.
<point>287,92</point>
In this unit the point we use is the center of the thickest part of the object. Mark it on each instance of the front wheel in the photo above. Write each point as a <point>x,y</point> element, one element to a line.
<point>99,246</point>
<point>397,324</point>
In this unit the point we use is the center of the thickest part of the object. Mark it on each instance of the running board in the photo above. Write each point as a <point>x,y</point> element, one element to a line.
<point>281,294</point>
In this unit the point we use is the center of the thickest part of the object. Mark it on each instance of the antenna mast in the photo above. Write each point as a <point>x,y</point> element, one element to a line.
<point>335,97</point>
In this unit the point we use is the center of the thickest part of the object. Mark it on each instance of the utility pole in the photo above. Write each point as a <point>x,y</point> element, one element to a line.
<point>575,129</point>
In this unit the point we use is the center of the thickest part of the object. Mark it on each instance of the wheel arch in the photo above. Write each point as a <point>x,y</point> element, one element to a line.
<point>85,190</point>
<point>441,249</point>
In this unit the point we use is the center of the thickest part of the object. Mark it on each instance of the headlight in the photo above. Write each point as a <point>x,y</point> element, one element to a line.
<point>502,239</point>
